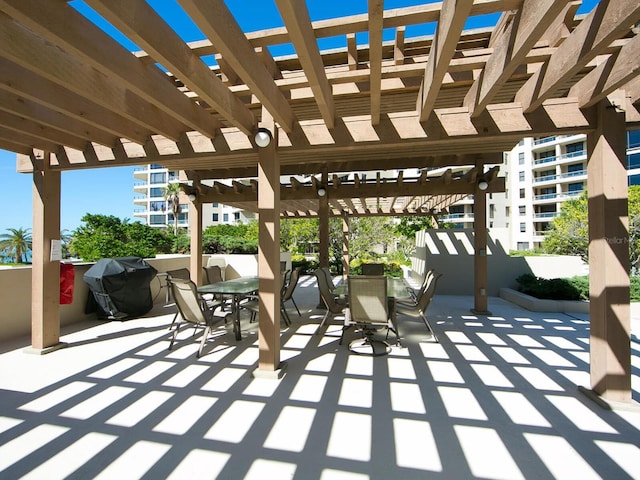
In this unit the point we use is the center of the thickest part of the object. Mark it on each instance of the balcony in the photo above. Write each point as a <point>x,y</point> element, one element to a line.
<point>556,197</point>
<point>545,216</point>
<point>561,177</point>
<point>559,158</point>
<point>542,141</point>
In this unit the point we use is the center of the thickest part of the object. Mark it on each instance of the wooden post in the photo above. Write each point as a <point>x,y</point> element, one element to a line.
<point>345,246</point>
<point>323,231</point>
<point>480,248</point>
<point>45,274</point>
<point>609,311</point>
<point>269,364</point>
<point>195,235</point>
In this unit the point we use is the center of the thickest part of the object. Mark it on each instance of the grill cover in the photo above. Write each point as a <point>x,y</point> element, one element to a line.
<point>120,287</point>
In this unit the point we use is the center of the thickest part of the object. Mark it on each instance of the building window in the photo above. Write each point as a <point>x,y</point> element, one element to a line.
<point>155,166</point>
<point>159,177</point>
<point>236,216</point>
<point>634,180</point>
<point>492,210</point>
<point>577,167</point>
<point>522,210</point>
<point>173,176</point>
<point>521,142</point>
<point>522,193</point>
<point>157,206</point>
<point>523,246</point>
<point>575,187</point>
<point>521,176</point>
<point>215,204</point>
<point>155,192</point>
<point>157,220</point>
<point>575,147</point>
<point>633,160</point>
<point>547,154</point>
<point>215,217</point>
<point>523,227</point>
<point>633,138</point>
<point>225,217</point>
<point>521,158</point>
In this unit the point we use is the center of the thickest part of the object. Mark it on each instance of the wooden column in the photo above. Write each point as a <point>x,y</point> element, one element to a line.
<point>323,232</point>
<point>45,274</point>
<point>269,364</point>
<point>480,251</point>
<point>195,235</point>
<point>345,246</point>
<point>609,311</point>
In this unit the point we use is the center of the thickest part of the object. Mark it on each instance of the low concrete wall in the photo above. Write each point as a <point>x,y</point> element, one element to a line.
<point>451,253</point>
<point>543,305</point>
<point>15,288</point>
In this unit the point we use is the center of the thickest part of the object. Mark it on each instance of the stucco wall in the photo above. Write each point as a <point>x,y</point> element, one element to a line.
<point>15,289</point>
<point>451,253</point>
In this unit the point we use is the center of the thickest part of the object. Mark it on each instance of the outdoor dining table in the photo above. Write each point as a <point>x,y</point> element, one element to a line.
<point>237,288</point>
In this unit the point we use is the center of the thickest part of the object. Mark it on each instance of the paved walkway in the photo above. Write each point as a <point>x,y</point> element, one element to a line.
<point>496,398</point>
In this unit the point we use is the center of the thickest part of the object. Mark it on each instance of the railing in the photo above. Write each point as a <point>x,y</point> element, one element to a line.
<point>559,157</point>
<point>540,141</point>
<point>547,178</point>
<point>544,215</point>
<point>556,196</point>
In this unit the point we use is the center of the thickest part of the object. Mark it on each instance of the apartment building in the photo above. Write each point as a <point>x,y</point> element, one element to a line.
<point>151,207</point>
<point>541,174</point>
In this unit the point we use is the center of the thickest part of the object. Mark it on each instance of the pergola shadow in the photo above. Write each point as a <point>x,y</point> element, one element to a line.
<point>496,398</point>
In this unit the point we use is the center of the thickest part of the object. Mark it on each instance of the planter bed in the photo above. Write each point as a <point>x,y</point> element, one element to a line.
<point>542,305</point>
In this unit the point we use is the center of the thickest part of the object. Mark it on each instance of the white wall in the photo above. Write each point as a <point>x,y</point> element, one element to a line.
<point>451,253</point>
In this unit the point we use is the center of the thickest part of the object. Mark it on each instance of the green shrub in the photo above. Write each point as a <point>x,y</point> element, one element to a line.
<point>574,288</point>
<point>391,269</point>
<point>308,266</point>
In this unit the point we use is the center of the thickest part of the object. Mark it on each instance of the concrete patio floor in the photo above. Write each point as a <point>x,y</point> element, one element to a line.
<point>496,398</point>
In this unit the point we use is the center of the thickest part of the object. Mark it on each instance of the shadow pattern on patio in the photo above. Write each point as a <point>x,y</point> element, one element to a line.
<point>496,398</point>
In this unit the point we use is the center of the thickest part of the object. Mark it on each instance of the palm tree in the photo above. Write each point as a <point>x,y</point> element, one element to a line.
<point>16,242</point>
<point>171,194</point>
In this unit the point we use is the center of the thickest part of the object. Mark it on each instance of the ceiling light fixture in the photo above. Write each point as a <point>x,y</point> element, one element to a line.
<point>322,192</point>
<point>263,137</point>
<point>192,197</point>
<point>483,184</point>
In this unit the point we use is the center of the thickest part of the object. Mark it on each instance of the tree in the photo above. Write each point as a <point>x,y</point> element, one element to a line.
<point>366,233</point>
<point>17,243</point>
<point>171,194</point>
<point>569,231</point>
<point>103,236</point>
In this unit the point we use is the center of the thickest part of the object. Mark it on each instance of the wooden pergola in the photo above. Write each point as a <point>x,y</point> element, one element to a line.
<point>71,97</point>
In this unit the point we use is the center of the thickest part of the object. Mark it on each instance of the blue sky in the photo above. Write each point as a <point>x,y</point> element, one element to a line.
<point>109,191</point>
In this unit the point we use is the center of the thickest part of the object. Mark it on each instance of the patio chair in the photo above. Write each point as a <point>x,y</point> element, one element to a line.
<point>368,307</point>
<point>372,269</point>
<point>333,304</point>
<point>288,290</point>
<point>213,274</point>
<point>415,293</point>
<point>328,278</point>
<point>419,309</point>
<point>192,310</point>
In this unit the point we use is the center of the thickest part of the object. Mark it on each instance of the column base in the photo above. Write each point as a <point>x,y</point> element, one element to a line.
<point>276,374</point>
<point>631,406</point>
<point>45,350</point>
<point>480,312</point>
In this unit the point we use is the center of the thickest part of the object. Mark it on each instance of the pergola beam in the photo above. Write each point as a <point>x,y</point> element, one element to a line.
<point>144,26</point>
<point>302,35</point>
<point>453,15</point>
<point>515,40</point>
<point>65,26</point>
<point>375,57</point>
<point>606,22</point>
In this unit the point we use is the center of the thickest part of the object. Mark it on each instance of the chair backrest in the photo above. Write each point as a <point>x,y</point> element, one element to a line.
<point>328,277</point>
<point>372,269</point>
<point>186,297</point>
<point>425,297</point>
<point>368,302</point>
<point>213,274</point>
<point>291,286</point>
<point>182,273</point>
<point>426,280</point>
<point>325,293</point>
